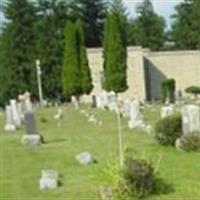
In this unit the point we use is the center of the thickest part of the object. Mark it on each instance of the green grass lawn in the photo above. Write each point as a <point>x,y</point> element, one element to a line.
<point>21,167</point>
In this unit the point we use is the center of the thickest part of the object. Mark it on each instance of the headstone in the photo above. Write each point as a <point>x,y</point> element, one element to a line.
<point>75,102</point>
<point>167,111</point>
<point>59,114</point>
<point>126,108</point>
<point>15,114</point>
<point>136,118</point>
<point>9,126</point>
<point>190,119</point>
<point>94,101</point>
<point>85,158</point>
<point>49,179</point>
<point>31,138</point>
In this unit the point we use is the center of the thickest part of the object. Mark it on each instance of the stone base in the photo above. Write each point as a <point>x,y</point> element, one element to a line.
<point>9,128</point>
<point>31,140</point>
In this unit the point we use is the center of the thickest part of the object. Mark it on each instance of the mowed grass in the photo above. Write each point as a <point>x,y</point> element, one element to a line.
<point>21,166</point>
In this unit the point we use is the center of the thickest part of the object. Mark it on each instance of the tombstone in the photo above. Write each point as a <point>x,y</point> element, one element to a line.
<point>94,101</point>
<point>190,119</point>
<point>15,114</point>
<point>74,100</point>
<point>49,179</point>
<point>31,138</point>
<point>136,118</point>
<point>85,158</point>
<point>167,111</point>
<point>59,114</point>
<point>9,126</point>
<point>126,108</point>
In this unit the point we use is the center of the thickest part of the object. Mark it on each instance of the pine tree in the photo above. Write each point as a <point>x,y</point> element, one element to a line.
<point>86,75</point>
<point>147,29</point>
<point>115,49</point>
<point>72,83</point>
<point>186,26</point>
<point>52,15</point>
<point>93,15</point>
<point>17,57</point>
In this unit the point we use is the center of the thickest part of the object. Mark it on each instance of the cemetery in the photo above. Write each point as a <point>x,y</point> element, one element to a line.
<point>95,104</point>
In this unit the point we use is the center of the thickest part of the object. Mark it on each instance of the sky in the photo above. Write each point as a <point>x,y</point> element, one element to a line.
<point>164,8</point>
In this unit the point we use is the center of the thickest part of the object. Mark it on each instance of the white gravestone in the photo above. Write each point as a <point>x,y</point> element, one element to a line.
<point>49,179</point>
<point>85,158</point>
<point>167,111</point>
<point>190,119</point>
<point>59,114</point>
<point>126,108</point>
<point>9,126</point>
<point>16,117</point>
<point>136,118</point>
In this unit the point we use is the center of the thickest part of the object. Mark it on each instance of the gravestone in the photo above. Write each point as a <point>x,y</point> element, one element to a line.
<point>31,138</point>
<point>94,101</point>
<point>59,114</point>
<point>9,126</point>
<point>49,179</point>
<point>136,118</point>
<point>15,114</point>
<point>190,119</point>
<point>167,111</point>
<point>85,158</point>
<point>126,108</point>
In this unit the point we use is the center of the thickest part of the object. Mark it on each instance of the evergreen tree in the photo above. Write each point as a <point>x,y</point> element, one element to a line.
<point>115,49</point>
<point>147,29</point>
<point>186,26</point>
<point>72,83</point>
<point>86,75</point>
<point>17,46</point>
<point>51,19</point>
<point>93,15</point>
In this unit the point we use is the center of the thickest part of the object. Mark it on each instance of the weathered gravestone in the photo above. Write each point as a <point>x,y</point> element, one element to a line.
<point>31,138</point>
<point>9,126</point>
<point>49,179</point>
<point>190,119</point>
<point>167,111</point>
<point>126,108</point>
<point>136,118</point>
<point>85,158</point>
<point>94,101</point>
<point>15,114</point>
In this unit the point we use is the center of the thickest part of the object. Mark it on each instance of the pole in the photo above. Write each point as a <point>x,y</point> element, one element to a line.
<point>121,155</point>
<point>39,82</point>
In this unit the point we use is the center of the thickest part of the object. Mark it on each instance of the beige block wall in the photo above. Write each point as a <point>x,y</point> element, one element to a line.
<point>135,72</point>
<point>183,66</point>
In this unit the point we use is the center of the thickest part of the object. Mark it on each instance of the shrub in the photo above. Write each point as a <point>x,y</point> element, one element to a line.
<point>43,119</point>
<point>195,90</point>
<point>190,142</point>
<point>168,129</point>
<point>168,90</point>
<point>137,178</point>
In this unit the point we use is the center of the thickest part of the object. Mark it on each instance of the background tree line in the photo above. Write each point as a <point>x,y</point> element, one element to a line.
<point>37,30</point>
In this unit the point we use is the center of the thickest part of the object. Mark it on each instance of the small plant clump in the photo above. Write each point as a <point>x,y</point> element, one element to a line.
<point>190,142</point>
<point>168,129</point>
<point>137,178</point>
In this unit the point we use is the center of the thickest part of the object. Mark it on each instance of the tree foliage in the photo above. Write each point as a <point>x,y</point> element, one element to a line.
<point>17,49</point>
<point>115,48</point>
<point>186,26</point>
<point>147,29</point>
<point>76,73</point>
<point>93,14</point>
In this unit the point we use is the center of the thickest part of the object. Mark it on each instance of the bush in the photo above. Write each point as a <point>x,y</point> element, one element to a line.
<point>168,129</point>
<point>137,178</point>
<point>168,90</point>
<point>195,90</point>
<point>190,142</point>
